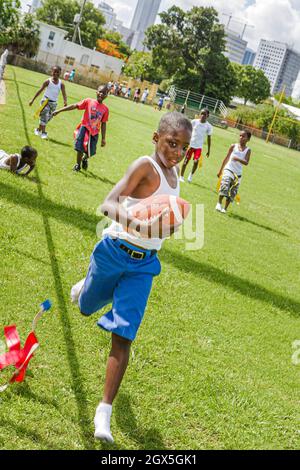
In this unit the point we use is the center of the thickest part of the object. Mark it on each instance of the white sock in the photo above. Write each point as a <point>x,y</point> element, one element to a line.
<point>76,290</point>
<point>102,422</point>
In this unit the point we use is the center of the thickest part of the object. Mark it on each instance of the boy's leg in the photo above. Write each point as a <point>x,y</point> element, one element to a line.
<point>186,161</point>
<point>195,166</point>
<point>116,366</point>
<point>129,304</point>
<point>227,203</point>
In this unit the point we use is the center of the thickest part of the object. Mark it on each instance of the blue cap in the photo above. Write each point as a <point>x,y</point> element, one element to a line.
<point>46,305</point>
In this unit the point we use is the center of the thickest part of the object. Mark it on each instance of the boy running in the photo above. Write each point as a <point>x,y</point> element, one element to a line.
<point>123,264</point>
<point>231,170</point>
<point>201,128</point>
<point>52,88</point>
<point>87,133</point>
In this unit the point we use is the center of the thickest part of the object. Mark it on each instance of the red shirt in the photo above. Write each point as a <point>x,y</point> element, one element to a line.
<point>95,113</point>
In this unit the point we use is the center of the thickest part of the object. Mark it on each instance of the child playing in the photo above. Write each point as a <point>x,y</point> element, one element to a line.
<point>52,88</point>
<point>16,163</point>
<point>95,118</point>
<point>123,264</point>
<point>201,128</point>
<point>160,103</point>
<point>231,169</point>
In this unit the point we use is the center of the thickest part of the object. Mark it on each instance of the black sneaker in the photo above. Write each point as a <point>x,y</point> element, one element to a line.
<point>85,164</point>
<point>76,167</point>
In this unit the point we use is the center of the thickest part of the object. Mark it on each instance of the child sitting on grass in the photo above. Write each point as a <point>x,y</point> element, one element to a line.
<point>231,170</point>
<point>124,263</point>
<point>95,118</point>
<point>16,163</point>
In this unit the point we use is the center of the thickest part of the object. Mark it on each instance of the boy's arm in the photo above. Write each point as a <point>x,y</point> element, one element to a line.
<point>226,160</point>
<point>113,208</point>
<point>45,84</point>
<point>13,163</point>
<point>63,90</point>
<point>66,108</point>
<point>245,161</point>
<point>103,132</point>
<point>209,145</point>
<point>31,167</point>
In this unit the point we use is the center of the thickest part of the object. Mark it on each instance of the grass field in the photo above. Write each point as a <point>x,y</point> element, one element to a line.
<point>211,367</point>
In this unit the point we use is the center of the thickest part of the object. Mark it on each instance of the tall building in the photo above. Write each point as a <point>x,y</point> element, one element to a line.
<point>35,4</point>
<point>109,15</point>
<point>235,46</point>
<point>249,57</point>
<point>280,63</point>
<point>144,16</point>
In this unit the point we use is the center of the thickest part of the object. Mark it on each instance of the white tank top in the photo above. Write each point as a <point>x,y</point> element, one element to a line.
<point>232,165</point>
<point>117,230</point>
<point>52,90</point>
<point>5,166</point>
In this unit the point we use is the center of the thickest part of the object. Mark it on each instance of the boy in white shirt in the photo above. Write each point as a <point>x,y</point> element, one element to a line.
<point>201,128</point>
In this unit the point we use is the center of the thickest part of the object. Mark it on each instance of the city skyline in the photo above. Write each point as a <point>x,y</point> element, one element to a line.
<point>254,12</point>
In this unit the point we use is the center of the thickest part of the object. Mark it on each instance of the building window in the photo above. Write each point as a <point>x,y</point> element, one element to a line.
<point>51,35</point>
<point>69,60</point>
<point>95,68</point>
<point>84,59</point>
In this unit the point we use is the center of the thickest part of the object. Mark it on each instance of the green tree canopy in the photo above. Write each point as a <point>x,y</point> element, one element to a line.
<point>115,38</point>
<point>9,13</point>
<point>61,13</point>
<point>24,37</point>
<point>253,85</point>
<point>188,47</point>
<point>140,65</point>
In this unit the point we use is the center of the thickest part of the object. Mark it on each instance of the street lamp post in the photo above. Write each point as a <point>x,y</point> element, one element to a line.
<point>78,21</point>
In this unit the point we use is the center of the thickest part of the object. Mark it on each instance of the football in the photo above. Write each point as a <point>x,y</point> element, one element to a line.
<point>153,206</point>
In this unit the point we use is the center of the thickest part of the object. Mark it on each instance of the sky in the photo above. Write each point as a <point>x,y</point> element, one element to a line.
<point>268,19</point>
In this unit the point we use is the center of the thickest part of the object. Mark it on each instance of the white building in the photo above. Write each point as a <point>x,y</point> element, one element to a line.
<point>144,16</point>
<point>280,63</point>
<point>54,49</point>
<point>296,89</point>
<point>109,15</point>
<point>235,46</point>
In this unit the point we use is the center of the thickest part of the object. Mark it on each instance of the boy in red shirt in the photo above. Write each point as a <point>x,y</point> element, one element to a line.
<point>87,133</point>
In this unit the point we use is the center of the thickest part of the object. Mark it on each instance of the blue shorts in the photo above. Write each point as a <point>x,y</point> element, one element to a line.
<point>92,143</point>
<point>115,277</point>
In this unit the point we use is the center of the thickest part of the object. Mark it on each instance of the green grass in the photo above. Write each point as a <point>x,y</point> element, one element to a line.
<point>211,367</point>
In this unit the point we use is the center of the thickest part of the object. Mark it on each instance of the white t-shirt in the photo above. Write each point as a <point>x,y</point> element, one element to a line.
<point>200,130</point>
<point>234,166</point>
<point>52,90</point>
<point>5,166</point>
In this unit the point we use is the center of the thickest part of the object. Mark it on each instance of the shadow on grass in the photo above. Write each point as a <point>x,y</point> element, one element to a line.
<point>149,439</point>
<point>203,187</point>
<point>89,174</point>
<point>30,256</point>
<point>48,208</point>
<point>235,283</point>
<point>265,227</point>
<point>84,420</point>
<point>23,431</point>
<point>25,391</point>
<point>57,142</point>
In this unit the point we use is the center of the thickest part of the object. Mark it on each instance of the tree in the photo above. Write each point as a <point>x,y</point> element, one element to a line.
<point>140,65</point>
<point>188,47</point>
<point>61,13</point>
<point>253,85</point>
<point>115,38</point>
<point>24,37</point>
<point>9,14</point>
